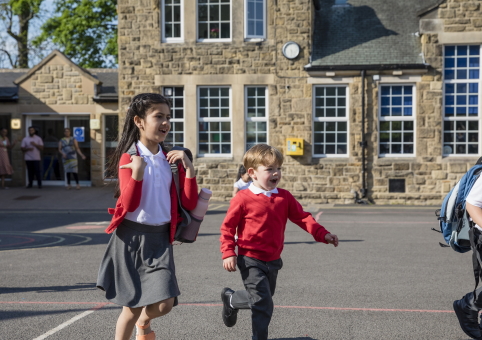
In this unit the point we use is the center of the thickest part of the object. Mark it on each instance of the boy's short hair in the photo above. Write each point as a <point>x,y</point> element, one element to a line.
<point>262,154</point>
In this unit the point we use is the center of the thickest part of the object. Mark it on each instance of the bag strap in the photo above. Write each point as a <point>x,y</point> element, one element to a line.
<point>476,260</point>
<point>175,177</point>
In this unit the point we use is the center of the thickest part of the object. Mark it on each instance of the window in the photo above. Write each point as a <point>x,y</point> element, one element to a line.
<point>396,120</point>
<point>172,18</point>
<point>111,134</point>
<point>255,19</point>
<point>214,121</point>
<point>176,136</point>
<point>461,100</point>
<point>214,19</point>
<point>256,116</point>
<point>330,121</point>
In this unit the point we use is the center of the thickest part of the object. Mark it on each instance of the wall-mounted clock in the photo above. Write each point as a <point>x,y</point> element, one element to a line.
<point>291,50</point>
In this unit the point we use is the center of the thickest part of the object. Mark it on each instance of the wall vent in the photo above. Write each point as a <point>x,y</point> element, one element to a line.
<point>396,185</point>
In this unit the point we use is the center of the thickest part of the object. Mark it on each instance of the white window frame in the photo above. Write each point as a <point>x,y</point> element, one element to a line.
<point>215,39</point>
<point>331,119</point>
<point>398,118</point>
<point>177,120</point>
<point>176,39</point>
<point>248,37</point>
<point>264,119</point>
<point>477,118</point>
<point>216,119</point>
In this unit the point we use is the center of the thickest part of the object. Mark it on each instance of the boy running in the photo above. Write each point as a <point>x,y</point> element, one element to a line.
<point>260,215</point>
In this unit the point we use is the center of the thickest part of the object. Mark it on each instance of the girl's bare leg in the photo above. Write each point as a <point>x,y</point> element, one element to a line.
<point>154,311</point>
<point>126,322</point>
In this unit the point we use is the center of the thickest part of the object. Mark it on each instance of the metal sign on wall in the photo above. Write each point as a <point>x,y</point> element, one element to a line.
<point>79,134</point>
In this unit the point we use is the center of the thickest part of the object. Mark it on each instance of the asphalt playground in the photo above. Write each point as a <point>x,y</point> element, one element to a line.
<point>388,279</point>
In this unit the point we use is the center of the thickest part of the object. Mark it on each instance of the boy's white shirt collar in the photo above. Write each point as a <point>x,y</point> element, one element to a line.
<point>255,190</point>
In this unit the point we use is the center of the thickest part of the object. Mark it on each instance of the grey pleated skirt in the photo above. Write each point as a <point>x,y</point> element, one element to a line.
<point>138,266</point>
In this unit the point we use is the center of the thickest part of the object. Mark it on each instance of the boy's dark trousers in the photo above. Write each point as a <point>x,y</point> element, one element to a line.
<point>33,169</point>
<point>259,278</point>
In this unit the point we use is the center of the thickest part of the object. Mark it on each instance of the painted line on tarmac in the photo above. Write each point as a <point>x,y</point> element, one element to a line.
<point>71,321</point>
<point>85,239</point>
<point>333,308</point>
<point>220,305</point>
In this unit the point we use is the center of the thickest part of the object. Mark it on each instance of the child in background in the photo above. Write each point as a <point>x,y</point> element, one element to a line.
<point>242,180</point>
<point>260,214</point>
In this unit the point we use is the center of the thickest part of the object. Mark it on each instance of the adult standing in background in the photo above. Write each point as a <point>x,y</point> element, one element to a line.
<point>69,147</point>
<point>31,146</point>
<point>5,166</point>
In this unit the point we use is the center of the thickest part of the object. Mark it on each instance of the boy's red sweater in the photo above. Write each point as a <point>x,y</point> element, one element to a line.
<point>261,223</point>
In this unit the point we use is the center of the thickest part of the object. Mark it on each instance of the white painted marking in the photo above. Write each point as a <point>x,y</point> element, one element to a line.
<point>65,324</point>
<point>69,322</point>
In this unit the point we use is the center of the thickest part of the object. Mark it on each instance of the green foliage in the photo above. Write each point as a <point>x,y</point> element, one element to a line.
<point>20,7</point>
<point>85,31</point>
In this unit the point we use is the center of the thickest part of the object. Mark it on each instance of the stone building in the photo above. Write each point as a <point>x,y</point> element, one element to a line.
<point>53,95</point>
<point>384,94</point>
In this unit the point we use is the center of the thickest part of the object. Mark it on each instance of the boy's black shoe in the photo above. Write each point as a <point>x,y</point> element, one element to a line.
<point>230,315</point>
<point>468,320</point>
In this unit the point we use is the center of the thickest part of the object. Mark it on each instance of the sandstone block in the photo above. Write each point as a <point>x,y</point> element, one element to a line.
<point>457,168</point>
<point>81,100</point>
<point>67,94</point>
<point>439,175</point>
<point>46,79</point>
<point>401,166</point>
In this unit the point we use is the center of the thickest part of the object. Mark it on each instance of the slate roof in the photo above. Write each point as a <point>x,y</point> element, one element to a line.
<point>109,89</point>
<point>8,90</point>
<point>375,32</point>
<point>106,92</point>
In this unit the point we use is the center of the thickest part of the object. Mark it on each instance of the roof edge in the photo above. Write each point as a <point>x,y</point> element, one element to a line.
<point>429,8</point>
<point>44,61</point>
<point>379,67</point>
<point>110,99</point>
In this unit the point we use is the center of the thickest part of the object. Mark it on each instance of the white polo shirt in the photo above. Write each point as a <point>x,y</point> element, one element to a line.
<point>475,196</point>
<point>155,206</point>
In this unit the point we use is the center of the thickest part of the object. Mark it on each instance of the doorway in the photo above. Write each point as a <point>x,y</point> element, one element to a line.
<point>51,129</point>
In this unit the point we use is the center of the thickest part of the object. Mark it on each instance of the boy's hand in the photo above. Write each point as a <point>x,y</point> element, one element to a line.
<point>230,264</point>
<point>331,238</point>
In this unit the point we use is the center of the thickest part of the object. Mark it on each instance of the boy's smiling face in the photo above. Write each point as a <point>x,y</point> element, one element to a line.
<point>266,177</point>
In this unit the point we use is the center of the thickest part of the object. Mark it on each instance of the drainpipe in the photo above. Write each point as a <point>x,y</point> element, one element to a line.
<point>363,142</point>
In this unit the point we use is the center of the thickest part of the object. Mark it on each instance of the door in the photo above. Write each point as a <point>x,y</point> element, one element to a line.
<point>51,130</point>
<point>74,123</point>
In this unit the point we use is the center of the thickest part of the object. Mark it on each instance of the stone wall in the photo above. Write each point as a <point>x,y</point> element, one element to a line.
<point>58,87</point>
<point>146,65</point>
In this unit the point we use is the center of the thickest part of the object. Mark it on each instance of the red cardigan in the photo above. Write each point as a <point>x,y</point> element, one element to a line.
<point>261,223</point>
<point>131,192</point>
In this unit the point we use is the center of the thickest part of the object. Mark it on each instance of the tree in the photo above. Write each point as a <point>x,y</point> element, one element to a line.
<point>19,12</point>
<point>85,31</point>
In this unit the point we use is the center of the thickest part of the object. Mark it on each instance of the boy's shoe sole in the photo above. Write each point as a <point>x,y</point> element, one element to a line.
<point>230,315</point>
<point>462,317</point>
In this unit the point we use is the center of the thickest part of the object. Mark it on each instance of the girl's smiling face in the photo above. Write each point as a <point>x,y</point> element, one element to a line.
<point>266,177</point>
<point>156,125</point>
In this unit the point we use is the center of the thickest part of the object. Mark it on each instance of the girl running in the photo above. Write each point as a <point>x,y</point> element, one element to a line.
<point>137,271</point>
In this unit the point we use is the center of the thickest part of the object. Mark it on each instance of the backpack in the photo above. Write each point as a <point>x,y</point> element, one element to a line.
<point>453,218</point>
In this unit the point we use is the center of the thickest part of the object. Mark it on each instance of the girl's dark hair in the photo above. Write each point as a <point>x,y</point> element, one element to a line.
<point>139,106</point>
<point>241,172</point>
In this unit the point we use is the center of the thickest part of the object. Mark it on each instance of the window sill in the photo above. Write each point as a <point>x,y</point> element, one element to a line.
<point>174,41</point>
<point>214,40</point>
